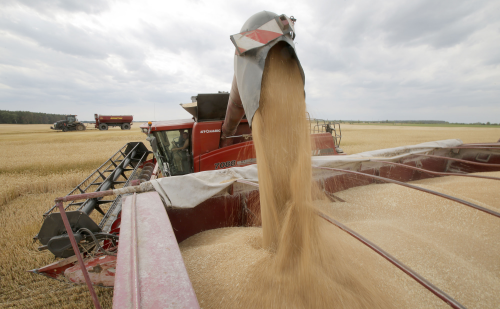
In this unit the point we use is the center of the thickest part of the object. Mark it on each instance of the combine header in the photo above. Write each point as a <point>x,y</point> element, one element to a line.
<point>127,164</point>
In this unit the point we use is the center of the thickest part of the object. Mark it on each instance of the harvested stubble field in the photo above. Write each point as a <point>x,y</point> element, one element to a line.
<point>37,165</point>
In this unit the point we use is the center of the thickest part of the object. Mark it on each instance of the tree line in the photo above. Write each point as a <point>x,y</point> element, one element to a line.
<point>21,117</point>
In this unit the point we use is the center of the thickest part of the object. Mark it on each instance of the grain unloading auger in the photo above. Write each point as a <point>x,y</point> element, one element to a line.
<point>134,247</point>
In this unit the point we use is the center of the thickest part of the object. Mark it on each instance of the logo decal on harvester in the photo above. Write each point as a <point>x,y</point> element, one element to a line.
<point>210,131</point>
<point>225,164</point>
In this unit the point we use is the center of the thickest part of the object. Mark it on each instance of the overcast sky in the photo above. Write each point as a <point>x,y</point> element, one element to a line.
<point>366,60</point>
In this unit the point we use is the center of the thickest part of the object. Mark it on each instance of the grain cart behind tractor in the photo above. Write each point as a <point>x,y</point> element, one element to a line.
<point>103,122</point>
<point>69,124</point>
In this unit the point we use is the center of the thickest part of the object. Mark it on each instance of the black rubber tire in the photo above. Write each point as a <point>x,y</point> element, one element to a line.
<point>65,129</point>
<point>103,126</point>
<point>80,127</point>
<point>126,126</point>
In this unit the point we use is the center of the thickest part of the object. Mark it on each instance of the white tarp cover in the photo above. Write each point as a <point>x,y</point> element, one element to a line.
<point>190,190</point>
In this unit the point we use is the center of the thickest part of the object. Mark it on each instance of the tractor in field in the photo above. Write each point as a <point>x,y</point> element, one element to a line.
<point>71,123</point>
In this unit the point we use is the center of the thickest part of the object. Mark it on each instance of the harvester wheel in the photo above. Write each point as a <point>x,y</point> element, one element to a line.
<point>103,126</point>
<point>65,129</point>
<point>126,126</point>
<point>80,127</point>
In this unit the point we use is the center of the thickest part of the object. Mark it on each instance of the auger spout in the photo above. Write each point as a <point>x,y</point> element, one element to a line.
<point>249,60</point>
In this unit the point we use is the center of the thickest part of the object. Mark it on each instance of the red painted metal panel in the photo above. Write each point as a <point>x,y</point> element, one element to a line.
<point>206,137</point>
<point>57,268</point>
<point>431,164</point>
<point>167,125</point>
<point>343,182</point>
<point>396,173</point>
<point>323,144</point>
<point>101,270</point>
<point>150,271</point>
<point>237,155</point>
<point>116,118</point>
<point>214,213</point>
<point>242,153</point>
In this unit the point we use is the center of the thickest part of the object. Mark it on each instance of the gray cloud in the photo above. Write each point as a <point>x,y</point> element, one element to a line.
<point>72,6</point>
<point>438,23</point>
<point>363,59</point>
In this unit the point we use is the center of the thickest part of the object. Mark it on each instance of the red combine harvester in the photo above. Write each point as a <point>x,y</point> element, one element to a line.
<point>200,176</point>
<point>103,122</point>
<point>208,148</point>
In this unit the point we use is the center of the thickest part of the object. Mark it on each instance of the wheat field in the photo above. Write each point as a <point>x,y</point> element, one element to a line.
<point>38,164</point>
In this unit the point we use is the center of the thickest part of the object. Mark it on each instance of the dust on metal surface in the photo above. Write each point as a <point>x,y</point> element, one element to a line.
<point>150,269</point>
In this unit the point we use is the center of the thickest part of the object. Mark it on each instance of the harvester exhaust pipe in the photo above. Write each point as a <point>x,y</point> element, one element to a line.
<point>257,36</point>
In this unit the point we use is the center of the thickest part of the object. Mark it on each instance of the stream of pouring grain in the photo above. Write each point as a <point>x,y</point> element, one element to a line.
<point>296,264</point>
